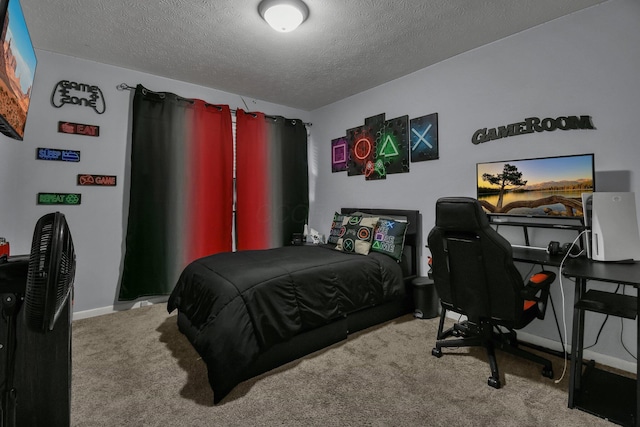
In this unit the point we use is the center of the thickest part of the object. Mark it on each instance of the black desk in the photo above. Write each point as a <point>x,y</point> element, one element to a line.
<point>602,393</point>
<point>536,256</point>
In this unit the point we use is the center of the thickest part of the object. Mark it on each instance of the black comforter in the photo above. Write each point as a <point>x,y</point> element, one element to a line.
<point>239,304</point>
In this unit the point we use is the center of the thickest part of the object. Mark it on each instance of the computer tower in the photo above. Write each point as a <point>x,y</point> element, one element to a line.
<point>613,223</point>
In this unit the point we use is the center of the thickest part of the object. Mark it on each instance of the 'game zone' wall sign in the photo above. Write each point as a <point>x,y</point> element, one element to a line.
<point>78,129</point>
<point>82,94</point>
<point>99,180</point>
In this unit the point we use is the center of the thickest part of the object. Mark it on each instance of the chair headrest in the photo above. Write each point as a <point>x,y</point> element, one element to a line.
<point>460,213</point>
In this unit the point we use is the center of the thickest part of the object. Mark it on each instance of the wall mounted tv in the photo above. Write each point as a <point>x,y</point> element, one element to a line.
<point>17,69</point>
<point>543,187</point>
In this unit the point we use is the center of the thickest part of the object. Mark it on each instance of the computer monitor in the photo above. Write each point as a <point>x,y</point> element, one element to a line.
<point>546,187</point>
<point>613,223</point>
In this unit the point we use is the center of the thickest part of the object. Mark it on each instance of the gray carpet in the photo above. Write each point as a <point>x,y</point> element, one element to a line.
<point>134,368</point>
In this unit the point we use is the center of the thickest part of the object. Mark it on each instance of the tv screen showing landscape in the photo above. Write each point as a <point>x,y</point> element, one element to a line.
<point>17,71</point>
<point>542,187</point>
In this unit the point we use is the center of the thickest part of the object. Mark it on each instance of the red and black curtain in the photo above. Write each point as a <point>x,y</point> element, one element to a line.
<point>181,194</point>
<point>272,181</point>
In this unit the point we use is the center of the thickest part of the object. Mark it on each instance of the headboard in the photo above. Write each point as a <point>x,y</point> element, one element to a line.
<point>412,240</point>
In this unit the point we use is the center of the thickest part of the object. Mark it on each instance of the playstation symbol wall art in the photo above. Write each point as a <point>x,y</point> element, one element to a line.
<point>339,154</point>
<point>361,143</point>
<point>392,146</point>
<point>424,138</point>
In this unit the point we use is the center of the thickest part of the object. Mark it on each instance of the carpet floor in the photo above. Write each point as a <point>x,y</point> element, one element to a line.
<point>134,368</point>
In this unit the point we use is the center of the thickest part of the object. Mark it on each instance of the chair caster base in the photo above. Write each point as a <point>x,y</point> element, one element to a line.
<point>436,352</point>
<point>547,372</point>
<point>494,382</point>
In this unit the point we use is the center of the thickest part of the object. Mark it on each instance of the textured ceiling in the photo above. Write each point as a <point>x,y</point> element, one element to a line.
<point>345,47</point>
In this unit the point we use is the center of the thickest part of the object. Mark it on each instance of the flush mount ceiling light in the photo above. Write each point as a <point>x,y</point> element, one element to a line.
<point>283,15</point>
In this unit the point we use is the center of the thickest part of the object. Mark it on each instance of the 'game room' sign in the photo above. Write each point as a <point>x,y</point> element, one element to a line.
<point>531,125</point>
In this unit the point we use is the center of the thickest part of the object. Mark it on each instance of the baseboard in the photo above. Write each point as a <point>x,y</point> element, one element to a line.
<point>77,315</point>
<point>603,359</point>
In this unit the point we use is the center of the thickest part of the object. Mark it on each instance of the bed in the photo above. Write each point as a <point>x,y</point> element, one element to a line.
<point>248,312</point>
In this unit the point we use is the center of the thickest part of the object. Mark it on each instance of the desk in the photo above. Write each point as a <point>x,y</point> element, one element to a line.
<point>602,393</point>
<point>536,256</point>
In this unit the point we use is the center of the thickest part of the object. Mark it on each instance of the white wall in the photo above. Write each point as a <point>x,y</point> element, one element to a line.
<point>97,225</point>
<point>587,63</point>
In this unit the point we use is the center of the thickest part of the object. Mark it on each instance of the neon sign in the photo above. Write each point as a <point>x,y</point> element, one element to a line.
<point>59,198</point>
<point>78,129</point>
<point>57,154</point>
<point>97,180</point>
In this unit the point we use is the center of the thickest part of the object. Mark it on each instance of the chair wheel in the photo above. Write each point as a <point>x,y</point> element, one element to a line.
<point>436,352</point>
<point>494,382</point>
<point>547,372</point>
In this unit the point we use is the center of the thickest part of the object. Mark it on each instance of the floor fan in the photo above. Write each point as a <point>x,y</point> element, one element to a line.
<point>47,286</point>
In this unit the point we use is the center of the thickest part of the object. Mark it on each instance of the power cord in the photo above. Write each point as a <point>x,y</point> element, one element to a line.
<point>603,323</point>
<point>635,357</point>
<point>622,341</point>
<point>564,311</point>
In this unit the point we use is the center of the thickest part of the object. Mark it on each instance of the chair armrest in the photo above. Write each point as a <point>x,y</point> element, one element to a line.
<point>539,281</point>
<point>537,289</point>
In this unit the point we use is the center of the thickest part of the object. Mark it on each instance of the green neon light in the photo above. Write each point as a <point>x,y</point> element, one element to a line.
<point>380,168</point>
<point>59,198</point>
<point>389,148</point>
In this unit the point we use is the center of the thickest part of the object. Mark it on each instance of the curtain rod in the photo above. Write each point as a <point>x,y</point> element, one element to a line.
<point>124,86</point>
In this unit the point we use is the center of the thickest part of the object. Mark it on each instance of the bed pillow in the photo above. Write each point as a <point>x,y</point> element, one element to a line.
<point>400,218</point>
<point>356,234</point>
<point>336,226</point>
<point>388,237</point>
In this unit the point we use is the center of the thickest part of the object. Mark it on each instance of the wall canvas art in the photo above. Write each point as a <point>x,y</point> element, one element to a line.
<point>374,168</point>
<point>381,147</point>
<point>339,154</point>
<point>361,141</point>
<point>424,138</point>
<point>375,121</point>
<point>392,146</point>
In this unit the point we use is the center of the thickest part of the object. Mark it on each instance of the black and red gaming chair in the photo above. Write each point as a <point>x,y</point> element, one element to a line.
<point>475,276</point>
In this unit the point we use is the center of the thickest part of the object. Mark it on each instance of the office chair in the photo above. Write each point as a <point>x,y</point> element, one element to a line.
<point>475,276</point>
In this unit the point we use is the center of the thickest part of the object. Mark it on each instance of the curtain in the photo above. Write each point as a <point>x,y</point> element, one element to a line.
<point>272,181</point>
<point>181,194</point>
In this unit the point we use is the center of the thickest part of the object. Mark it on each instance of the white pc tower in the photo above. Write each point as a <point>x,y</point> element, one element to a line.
<point>614,226</point>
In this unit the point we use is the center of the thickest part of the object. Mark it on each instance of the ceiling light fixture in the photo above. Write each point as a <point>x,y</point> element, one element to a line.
<point>283,15</point>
